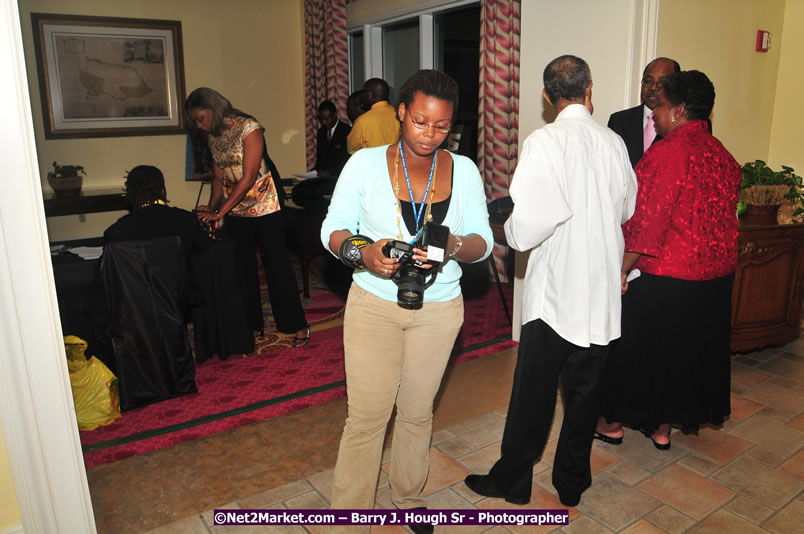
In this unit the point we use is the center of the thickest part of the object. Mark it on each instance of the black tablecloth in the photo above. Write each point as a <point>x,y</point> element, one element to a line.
<point>82,304</point>
<point>221,324</point>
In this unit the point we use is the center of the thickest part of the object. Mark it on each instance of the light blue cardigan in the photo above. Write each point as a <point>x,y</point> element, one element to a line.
<point>364,203</point>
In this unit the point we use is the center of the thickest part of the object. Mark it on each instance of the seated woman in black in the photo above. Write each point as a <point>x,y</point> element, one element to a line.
<point>151,217</point>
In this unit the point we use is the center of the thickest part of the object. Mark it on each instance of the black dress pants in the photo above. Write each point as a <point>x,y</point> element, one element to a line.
<point>543,357</point>
<point>267,233</point>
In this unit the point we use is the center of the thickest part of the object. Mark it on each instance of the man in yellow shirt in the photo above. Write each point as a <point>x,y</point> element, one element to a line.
<point>379,125</point>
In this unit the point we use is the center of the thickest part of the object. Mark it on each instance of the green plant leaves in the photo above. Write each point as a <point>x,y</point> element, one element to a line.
<point>757,172</point>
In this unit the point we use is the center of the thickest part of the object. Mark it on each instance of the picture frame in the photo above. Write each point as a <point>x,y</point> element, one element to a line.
<point>109,76</point>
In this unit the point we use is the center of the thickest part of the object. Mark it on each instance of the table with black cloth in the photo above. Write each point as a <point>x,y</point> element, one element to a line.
<point>219,314</point>
<point>82,305</point>
<point>221,324</point>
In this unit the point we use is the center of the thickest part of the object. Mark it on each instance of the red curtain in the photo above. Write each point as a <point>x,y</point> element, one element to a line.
<point>326,63</point>
<point>498,113</point>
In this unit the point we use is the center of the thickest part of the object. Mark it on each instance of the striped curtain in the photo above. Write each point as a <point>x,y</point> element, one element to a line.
<point>498,113</point>
<point>326,63</point>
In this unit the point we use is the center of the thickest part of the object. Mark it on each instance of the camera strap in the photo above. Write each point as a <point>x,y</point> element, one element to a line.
<point>350,251</point>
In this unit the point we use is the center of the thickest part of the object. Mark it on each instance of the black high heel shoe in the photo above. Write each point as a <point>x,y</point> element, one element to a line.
<point>660,446</point>
<point>605,438</point>
<point>299,342</point>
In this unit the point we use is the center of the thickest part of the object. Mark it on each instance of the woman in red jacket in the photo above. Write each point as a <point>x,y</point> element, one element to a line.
<point>672,363</point>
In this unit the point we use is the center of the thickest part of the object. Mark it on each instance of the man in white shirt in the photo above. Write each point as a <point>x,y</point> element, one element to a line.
<point>572,190</point>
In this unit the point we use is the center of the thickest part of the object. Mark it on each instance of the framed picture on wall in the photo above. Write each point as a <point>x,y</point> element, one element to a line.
<point>109,77</point>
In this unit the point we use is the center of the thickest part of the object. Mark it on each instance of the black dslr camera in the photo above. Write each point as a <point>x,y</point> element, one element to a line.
<point>411,276</point>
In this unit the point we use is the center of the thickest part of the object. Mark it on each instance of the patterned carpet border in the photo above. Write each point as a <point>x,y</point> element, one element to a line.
<point>248,408</point>
<point>485,331</point>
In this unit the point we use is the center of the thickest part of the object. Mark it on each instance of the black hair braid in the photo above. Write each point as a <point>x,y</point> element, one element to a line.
<point>144,185</point>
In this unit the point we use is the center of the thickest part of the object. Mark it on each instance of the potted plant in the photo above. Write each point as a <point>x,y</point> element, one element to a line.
<point>66,180</point>
<point>762,191</point>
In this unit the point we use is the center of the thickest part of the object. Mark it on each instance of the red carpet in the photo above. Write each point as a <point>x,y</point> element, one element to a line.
<point>274,381</point>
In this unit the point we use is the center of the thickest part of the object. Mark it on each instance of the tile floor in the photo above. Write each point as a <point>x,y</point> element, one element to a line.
<point>747,476</point>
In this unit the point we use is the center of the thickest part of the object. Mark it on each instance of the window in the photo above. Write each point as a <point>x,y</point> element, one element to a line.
<point>456,49</point>
<point>400,53</point>
<point>447,39</point>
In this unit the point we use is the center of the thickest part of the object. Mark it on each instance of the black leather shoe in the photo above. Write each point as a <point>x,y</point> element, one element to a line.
<point>569,499</point>
<point>482,485</point>
<point>421,529</point>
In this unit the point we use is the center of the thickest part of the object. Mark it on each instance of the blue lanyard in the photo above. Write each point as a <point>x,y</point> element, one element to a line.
<point>417,213</point>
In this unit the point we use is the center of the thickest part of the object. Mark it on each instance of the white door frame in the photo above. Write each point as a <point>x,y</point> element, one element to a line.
<point>36,405</point>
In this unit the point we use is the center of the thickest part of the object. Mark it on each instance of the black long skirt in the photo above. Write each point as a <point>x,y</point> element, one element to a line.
<point>672,362</point>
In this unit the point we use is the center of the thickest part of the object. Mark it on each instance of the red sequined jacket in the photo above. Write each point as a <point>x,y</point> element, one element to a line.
<point>685,223</point>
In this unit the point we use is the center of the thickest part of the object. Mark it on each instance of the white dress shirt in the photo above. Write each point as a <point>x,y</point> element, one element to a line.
<point>572,190</point>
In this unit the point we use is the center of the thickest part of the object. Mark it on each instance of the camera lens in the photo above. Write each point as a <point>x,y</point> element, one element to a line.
<point>410,290</point>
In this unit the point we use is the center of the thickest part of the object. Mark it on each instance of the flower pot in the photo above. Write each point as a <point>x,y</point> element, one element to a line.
<point>65,186</point>
<point>760,214</point>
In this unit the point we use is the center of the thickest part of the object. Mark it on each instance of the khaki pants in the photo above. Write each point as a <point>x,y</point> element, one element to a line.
<point>393,356</point>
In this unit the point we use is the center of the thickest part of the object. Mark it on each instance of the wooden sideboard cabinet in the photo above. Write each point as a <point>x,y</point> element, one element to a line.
<point>767,297</point>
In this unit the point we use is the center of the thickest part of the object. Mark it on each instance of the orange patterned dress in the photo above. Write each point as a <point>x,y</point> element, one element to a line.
<point>227,151</point>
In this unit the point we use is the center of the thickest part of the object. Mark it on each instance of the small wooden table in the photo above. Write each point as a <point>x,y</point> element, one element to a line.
<point>768,286</point>
<point>87,201</point>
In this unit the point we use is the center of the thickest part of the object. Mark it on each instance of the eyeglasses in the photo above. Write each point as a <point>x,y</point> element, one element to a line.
<point>444,129</point>
<point>656,83</point>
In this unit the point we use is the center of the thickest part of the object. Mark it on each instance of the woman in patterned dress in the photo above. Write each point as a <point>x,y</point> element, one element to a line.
<point>244,192</point>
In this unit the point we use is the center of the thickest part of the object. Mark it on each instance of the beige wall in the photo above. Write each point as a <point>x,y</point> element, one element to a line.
<point>788,115</point>
<point>547,33</point>
<point>250,51</point>
<point>9,510</point>
<point>718,37</point>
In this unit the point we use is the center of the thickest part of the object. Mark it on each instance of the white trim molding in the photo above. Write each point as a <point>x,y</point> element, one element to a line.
<point>36,406</point>
<point>16,529</point>
<point>372,48</point>
<point>426,57</point>
<point>644,21</point>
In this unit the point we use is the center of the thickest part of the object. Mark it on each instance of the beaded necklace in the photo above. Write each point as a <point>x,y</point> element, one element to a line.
<point>429,191</point>
<point>153,203</point>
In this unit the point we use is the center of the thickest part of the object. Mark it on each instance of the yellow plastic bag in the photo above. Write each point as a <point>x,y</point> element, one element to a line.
<point>94,386</point>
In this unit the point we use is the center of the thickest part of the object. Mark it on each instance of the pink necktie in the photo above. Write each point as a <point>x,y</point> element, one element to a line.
<point>648,134</point>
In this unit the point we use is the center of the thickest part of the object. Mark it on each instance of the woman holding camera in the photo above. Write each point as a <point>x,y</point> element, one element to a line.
<point>397,355</point>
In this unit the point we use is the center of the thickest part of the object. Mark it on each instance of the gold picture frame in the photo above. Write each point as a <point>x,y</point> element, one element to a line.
<point>109,76</point>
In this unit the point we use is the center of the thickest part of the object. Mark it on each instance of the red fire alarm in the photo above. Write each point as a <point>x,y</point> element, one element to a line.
<point>763,40</point>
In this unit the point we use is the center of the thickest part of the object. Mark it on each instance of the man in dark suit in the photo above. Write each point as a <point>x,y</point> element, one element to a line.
<point>635,125</point>
<point>331,154</point>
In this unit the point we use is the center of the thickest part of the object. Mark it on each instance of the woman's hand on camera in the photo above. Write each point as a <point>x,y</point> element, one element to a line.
<point>375,261</point>
<point>420,255</point>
